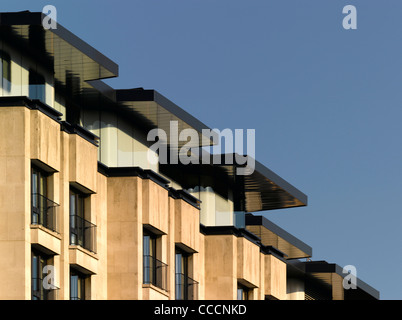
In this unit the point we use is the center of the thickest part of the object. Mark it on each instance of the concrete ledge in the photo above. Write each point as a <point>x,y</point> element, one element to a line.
<point>151,292</point>
<point>46,240</point>
<point>83,260</point>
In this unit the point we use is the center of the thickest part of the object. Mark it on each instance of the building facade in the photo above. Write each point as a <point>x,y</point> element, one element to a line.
<point>86,215</point>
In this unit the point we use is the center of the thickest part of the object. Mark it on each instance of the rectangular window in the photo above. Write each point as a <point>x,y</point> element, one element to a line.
<point>149,252</point>
<point>39,195</point>
<point>42,287</point>
<point>82,232</point>
<point>185,287</point>
<point>5,70</point>
<point>243,293</point>
<point>77,285</point>
<point>43,209</point>
<point>154,270</point>
<point>181,270</point>
<point>37,86</point>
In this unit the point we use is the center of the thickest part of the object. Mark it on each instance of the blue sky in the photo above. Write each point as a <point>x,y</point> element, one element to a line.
<point>326,103</point>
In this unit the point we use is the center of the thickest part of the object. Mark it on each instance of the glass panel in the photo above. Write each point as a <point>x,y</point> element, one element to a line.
<point>73,224</point>
<point>35,203</point>
<point>1,70</point>
<point>147,241</point>
<point>179,276</point>
<point>6,72</point>
<point>182,277</point>
<point>35,273</point>
<point>36,86</point>
<point>80,205</point>
<point>38,262</point>
<point>147,254</point>
<point>150,266</point>
<point>77,221</point>
<point>81,288</point>
<point>42,200</point>
<point>242,292</point>
<point>73,287</point>
<point>239,294</point>
<point>179,265</point>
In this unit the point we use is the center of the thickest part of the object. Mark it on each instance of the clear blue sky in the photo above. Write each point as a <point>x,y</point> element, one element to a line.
<point>326,102</point>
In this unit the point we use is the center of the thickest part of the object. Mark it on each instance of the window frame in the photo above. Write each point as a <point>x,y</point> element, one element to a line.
<point>36,86</point>
<point>39,195</point>
<point>37,275</point>
<point>243,292</point>
<point>5,70</point>
<point>77,216</point>
<point>81,285</point>
<point>149,253</point>
<point>181,289</point>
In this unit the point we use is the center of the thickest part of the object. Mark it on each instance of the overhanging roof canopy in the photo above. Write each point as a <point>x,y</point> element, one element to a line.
<point>332,276</point>
<point>262,190</point>
<point>273,235</point>
<point>72,60</point>
<point>156,111</point>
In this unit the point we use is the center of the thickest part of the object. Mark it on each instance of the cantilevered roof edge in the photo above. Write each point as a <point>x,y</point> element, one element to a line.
<point>325,267</point>
<point>270,175</point>
<point>262,221</point>
<point>281,182</point>
<point>153,95</point>
<point>35,18</point>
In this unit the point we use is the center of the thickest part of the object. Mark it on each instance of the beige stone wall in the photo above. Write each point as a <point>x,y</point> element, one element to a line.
<point>155,205</point>
<point>124,238</point>
<point>187,224</point>
<point>99,217</point>
<point>15,279</point>
<point>83,162</point>
<point>134,203</point>
<point>220,267</point>
<point>120,207</point>
<point>30,135</point>
<point>230,260</point>
<point>248,262</point>
<point>275,277</point>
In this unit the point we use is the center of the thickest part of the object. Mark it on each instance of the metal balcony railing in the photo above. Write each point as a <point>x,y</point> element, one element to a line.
<point>186,288</point>
<point>82,233</point>
<point>40,293</point>
<point>155,272</point>
<point>44,212</point>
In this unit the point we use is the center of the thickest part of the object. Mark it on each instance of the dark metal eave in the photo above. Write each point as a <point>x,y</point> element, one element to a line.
<point>72,60</point>
<point>330,275</point>
<point>273,235</point>
<point>260,191</point>
<point>320,268</point>
<point>264,189</point>
<point>157,111</point>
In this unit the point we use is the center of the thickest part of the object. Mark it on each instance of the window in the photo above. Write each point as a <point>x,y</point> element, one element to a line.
<point>41,285</point>
<point>243,293</point>
<point>82,232</point>
<point>77,285</point>
<point>36,86</point>
<point>154,270</point>
<point>39,193</point>
<point>149,250</point>
<point>43,209</point>
<point>5,70</point>
<point>181,270</point>
<point>185,287</point>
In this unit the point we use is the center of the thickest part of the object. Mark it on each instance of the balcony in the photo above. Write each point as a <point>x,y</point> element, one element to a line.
<point>39,292</point>
<point>44,212</point>
<point>186,288</point>
<point>82,233</point>
<point>155,272</point>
